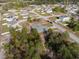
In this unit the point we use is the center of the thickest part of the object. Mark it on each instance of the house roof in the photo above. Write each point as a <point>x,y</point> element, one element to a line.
<point>39,27</point>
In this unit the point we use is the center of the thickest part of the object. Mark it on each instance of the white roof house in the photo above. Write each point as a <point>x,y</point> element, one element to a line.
<point>24,13</point>
<point>12,10</point>
<point>72,9</point>
<point>5,33</point>
<point>48,9</point>
<point>66,19</point>
<point>10,21</point>
<point>63,19</point>
<point>5,14</point>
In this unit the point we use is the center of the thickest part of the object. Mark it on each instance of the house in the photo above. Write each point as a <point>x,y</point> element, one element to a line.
<point>5,14</point>
<point>45,9</point>
<point>63,19</point>
<point>49,10</point>
<point>40,28</point>
<point>11,20</point>
<point>12,10</point>
<point>72,9</point>
<point>24,14</point>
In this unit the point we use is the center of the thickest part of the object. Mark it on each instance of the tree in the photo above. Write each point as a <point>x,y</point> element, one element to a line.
<point>69,51</point>
<point>60,45</point>
<point>55,39</point>
<point>59,9</point>
<point>23,45</point>
<point>77,26</point>
<point>74,25</point>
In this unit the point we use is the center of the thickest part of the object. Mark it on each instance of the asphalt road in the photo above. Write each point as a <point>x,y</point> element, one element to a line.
<point>71,35</point>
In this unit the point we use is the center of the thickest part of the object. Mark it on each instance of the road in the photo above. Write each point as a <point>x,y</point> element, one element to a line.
<point>74,37</point>
<point>71,35</point>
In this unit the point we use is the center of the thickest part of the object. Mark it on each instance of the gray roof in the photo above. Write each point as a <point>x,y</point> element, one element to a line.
<point>39,27</point>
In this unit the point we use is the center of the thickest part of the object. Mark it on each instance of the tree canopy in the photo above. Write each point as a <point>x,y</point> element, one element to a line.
<point>23,45</point>
<point>61,46</point>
